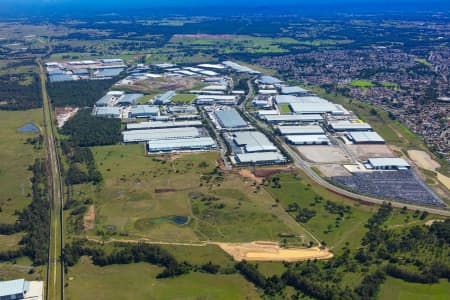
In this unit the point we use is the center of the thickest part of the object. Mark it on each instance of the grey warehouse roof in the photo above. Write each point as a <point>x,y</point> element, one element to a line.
<point>268,80</point>
<point>144,110</point>
<point>366,136</point>
<point>107,111</point>
<point>160,134</point>
<point>314,108</point>
<point>162,124</point>
<point>348,125</point>
<point>293,90</point>
<point>253,141</point>
<point>181,144</point>
<point>296,130</point>
<point>293,118</point>
<point>260,157</point>
<point>129,98</point>
<point>230,118</point>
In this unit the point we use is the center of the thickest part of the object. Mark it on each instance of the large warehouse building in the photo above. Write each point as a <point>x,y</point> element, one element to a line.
<point>387,164</point>
<point>145,135</point>
<point>346,125</point>
<point>259,158</point>
<point>21,289</point>
<point>144,111</point>
<point>163,124</point>
<point>253,141</point>
<point>230,119</point>
<point>293,119</point>
<point>107,112</point>
<point>315,108</point>
<point>310,139</point>
<point>366,137</point>
<point>300,130</point>
<point>187,144</point>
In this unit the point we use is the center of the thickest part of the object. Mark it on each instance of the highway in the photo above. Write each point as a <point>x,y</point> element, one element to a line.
<point>306,168</point>
<point>55,268</point>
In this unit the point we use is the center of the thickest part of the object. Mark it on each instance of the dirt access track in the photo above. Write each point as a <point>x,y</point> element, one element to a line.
<point>252,251</point>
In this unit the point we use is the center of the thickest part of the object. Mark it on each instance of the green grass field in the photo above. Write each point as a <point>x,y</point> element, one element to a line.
<point>397,289</point>
<point>234,44</point>
<point>285,108</point>
<point>15,185</point>
<point>137,281</point>
<point>362,83</point>
<point>183,98</point>
<point>300,190</point>
<point>137,189</point>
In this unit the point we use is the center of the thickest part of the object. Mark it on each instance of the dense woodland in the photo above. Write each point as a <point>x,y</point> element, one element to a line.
<point>34,220</point>
<point>14,95</point>
<point>85,130</point>
<point>79,93</point>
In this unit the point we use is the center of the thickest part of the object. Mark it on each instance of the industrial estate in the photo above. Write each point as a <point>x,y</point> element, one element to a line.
<point>217,117</point>
<point>224,154</point>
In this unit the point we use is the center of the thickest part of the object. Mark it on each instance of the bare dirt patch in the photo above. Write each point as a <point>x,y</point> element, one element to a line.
<point>364,152</point>
<point>323,154</point>
<point>423,160</point>
<point>333,170</point>
<point>248,174</point>
<point>89,218</point>
<point>271,251</point>
<point>163,84</point>
<point>63,114</point>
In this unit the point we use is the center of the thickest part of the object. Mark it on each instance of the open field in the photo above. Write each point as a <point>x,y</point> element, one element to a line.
<point>139,191</point>
<point>137,281</point>
<point>21,268</point>
<point>397,289</point>
<point>361,83</point>
<point>183,98</point>
<point>326,226</point>
<point>15,185</point>
<point>227,44</point>
<point>284,108</point>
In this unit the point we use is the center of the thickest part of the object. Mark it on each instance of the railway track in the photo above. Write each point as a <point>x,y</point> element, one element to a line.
<point>55,266</point>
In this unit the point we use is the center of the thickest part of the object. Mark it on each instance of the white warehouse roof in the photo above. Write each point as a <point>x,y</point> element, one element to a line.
<point>310,139</point>
<point>366,137</point>
<point>347,125</point>
<point>260,157</point>
<point>293,118</point>
<point>388,162</point>
<point>293,90</point>
<point>196,143</point>
<point>297,130</point>
<point>159,134</point>
<point>315,108</point>
<point>253,141</point>
<point>163,124</point>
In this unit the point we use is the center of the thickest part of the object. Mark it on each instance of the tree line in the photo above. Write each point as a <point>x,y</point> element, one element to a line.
<point>34,220</point>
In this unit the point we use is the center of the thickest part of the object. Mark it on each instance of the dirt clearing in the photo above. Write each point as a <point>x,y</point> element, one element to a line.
<point>323,154</point>
<point>271,251</point>
<point>364,152</point>
<point>423,160</point>
<point>89,218</point>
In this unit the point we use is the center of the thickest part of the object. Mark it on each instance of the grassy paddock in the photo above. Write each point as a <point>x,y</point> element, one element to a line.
<point>397,289</point>
<point>183,98</point>
<point>138,281</point>
<point>221,207</point>
<point>15,185</point>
